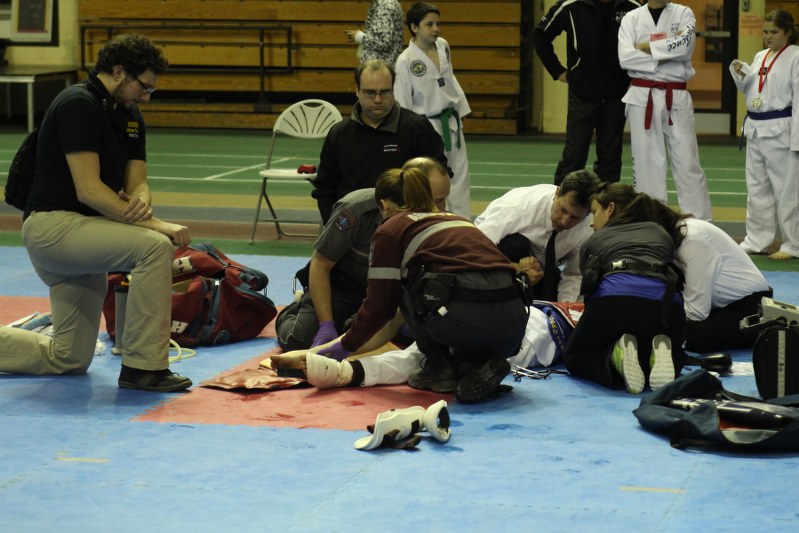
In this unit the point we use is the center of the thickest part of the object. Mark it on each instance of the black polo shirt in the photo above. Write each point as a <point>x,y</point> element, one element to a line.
<point>83,119</point>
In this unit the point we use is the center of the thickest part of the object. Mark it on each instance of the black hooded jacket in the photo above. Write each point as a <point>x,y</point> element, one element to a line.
<point>592,59</point>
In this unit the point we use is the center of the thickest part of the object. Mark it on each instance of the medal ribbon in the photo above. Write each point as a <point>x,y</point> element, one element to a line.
<point>761,76</point>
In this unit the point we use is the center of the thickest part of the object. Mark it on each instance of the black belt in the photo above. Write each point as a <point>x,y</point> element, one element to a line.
<point>768,115</point>
<point>639,266</point>
<point>485,295</point>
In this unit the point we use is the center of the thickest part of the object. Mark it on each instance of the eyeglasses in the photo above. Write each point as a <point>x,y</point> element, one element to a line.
<point>371,94</point>
<point>148,89</point>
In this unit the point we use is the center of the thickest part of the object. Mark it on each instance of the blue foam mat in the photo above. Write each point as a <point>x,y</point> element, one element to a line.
<point>558,454</point>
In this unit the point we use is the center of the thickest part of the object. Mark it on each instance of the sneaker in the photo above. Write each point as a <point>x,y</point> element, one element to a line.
<point>625,359</point>
<point>661,362</point>
<point>152,380</point>
<point>483,382</point>
<point>436,374</point>
<point>326,373</point>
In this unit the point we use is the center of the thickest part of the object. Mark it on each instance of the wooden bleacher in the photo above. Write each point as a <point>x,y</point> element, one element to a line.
<point>218,77</point>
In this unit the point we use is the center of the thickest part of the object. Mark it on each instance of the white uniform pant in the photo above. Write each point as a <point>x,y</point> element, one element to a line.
<point>649,156</point>
<point>391,368</point>
<point>772,187</point>
<point>459,200</point>
<point>394,367</point>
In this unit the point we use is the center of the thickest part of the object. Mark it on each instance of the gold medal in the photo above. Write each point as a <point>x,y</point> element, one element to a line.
<point>757,103</point>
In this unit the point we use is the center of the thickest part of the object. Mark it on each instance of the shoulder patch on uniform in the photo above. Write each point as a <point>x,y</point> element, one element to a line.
<point>345,219</point>
<point>418,68</point>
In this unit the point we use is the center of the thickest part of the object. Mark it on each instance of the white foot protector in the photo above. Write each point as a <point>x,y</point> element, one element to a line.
<point>436,421</point>
<point>397,427</point>
<point>393,426</point>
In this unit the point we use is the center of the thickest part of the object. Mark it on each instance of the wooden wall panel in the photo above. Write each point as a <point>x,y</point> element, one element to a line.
<point>320,81</point>
<point>278,11</point>
<point>213,47</point>
<point>308,33</point>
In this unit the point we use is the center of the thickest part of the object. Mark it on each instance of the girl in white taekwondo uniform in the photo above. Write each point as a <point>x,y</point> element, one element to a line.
<point>656,42</point>
<point>771,85</point>
<point>426,85</point>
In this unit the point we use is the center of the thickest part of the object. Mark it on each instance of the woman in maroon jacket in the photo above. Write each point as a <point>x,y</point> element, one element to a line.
<point>452,286</point>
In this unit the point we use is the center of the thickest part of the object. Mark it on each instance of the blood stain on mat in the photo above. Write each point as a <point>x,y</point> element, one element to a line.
<point>250,397</point>
<point>277,416</point>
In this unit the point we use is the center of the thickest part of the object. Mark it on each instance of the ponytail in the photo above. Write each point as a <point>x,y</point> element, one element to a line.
<point>409,189</point>
<point>416,189</point>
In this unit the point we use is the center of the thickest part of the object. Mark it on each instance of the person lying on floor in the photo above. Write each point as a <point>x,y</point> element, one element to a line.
<point>548,328</point>
<point>456,291</point>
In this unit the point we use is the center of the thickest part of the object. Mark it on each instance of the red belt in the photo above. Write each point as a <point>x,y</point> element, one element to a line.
<point>668,86</point>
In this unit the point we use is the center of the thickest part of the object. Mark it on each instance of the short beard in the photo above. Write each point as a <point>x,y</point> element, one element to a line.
<point>117,95</point>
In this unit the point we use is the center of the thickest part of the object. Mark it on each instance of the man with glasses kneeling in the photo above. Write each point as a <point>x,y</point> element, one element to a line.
<point>88,213</point>
<point>379,135</point>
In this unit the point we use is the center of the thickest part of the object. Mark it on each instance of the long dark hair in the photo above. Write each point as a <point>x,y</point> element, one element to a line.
<point>634,206</point>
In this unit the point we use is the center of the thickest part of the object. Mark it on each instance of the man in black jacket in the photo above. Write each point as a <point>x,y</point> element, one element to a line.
<point>595,79</point>
<point>379,135</point>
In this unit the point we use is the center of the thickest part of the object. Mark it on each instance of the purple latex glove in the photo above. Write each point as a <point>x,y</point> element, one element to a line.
<point>326,333</point>
<point>335,351</point>
<point>405,331</point>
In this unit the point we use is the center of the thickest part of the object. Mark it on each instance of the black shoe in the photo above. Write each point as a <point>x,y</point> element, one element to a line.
<point>437,374</point>
<point>717,362</point>
<point>152,380</point>
<point>483,383</point>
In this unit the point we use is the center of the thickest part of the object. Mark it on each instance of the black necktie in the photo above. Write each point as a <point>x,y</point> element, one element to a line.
<point>549,284</point>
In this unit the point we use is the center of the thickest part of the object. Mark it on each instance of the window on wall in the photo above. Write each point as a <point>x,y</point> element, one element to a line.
<point>33,22</point>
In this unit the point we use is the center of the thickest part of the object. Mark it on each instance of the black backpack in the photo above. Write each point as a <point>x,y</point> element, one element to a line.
<point>20,174</point>
<point>775,358</point>
<point>23,166</point>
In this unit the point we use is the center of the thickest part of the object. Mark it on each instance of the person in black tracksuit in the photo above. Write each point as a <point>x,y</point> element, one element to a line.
<point>596,81</point>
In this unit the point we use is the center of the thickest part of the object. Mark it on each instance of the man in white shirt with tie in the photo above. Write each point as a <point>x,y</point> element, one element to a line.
<point>522,221</point>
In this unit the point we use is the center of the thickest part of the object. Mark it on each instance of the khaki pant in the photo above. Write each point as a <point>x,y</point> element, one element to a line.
<point>72,254</point>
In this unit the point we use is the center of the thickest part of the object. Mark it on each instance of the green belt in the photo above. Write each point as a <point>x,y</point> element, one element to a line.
<point>445,131</point>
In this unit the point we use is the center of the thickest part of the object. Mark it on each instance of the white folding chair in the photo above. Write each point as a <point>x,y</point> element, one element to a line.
<point>307,119</point>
